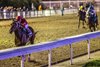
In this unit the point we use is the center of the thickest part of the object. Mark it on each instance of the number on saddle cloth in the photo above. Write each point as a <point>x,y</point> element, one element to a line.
<point>24,30</point>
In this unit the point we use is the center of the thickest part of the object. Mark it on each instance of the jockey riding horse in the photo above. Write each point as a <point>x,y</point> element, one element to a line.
<point>92,17</point>
<point>24,24</point>
<point>82,15</point>
<point>21,35</point>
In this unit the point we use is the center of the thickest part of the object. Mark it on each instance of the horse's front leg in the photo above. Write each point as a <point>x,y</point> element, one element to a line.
<point>94,27</point>
<point>79,24</point>
<point>90,27</point>
<point>29,57</point>
<point>83,24</point>
<point>23,58</point>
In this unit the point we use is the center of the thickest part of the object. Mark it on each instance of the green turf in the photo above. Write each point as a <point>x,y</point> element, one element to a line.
<point>50,28</point>
<point>94,63</point>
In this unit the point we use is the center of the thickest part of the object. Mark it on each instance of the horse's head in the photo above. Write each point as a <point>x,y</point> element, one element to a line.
<point>14,26</point>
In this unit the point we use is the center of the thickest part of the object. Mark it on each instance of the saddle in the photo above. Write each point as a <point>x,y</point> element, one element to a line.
<point>27,31</point>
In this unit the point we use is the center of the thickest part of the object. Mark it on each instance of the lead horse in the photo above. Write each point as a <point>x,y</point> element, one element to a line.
<point>21,36</point>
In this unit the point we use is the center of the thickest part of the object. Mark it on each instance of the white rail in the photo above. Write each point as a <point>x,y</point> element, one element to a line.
<point>20,51</point>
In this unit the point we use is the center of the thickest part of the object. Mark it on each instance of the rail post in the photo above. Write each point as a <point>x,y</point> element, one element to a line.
<point>71,54</point>
<point>88,46</point>
<point>49,58</point>
<point>22,61</point>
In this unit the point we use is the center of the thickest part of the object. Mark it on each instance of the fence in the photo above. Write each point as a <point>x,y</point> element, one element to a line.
<point>53,8</point>
<point>28,14</point>
<point>69,3</point>
<point>66,4</point>
<point>24,50</point>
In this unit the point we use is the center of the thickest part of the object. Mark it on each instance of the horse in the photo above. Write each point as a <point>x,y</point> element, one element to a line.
<point>92,22</point>
<point>21,36</point>
<point>82,16</point>
<point>92,17</point>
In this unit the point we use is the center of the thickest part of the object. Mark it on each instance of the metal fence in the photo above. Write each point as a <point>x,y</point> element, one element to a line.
<point>24,50</point>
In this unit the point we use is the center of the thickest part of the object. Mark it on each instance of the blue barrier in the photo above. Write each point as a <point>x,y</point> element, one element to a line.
<point>24,50</point>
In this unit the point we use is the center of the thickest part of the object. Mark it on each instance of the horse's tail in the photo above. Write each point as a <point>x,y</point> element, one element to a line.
<point>36,32</point>
<point>32,30</point>
<point>33,35</point>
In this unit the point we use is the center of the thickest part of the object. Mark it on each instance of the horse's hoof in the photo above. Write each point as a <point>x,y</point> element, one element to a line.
<point>19,56</point>
<point>83,27</point>
<point>29,59</point>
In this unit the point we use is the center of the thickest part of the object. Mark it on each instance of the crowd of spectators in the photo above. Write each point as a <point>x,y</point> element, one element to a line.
<point>10,12</point>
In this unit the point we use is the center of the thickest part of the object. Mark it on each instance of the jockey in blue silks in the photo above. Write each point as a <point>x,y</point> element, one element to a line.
<point>92,14</point>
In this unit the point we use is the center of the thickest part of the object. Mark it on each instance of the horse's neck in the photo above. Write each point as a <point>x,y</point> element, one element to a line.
<point>18,33</point>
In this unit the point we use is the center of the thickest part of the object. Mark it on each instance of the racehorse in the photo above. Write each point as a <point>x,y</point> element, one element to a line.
<point>82,16</point>
<point>91,16</point>
<point>21,36</point>
<point>92,22</point>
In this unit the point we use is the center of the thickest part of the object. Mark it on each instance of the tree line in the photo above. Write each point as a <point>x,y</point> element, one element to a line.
<point>21,3</point>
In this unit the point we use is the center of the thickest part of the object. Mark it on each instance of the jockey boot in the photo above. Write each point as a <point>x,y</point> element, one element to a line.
<point>29,32</point>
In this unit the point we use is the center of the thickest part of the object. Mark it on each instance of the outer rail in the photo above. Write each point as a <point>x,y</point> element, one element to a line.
<point>24,50</point>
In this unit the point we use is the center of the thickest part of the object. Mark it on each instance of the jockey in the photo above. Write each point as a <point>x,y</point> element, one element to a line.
<point>81,6</point>
<point>90,9</point>
<point>24,24</point>
<point>92,12</point>
<point>80,10</point>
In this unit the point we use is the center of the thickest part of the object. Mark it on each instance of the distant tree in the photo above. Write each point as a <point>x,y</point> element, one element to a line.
<point>4,3</point>
<point>37,3</point>
<point>21,3</point>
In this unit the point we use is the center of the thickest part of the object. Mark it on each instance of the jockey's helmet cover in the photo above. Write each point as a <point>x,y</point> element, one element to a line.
<point>18,18</point>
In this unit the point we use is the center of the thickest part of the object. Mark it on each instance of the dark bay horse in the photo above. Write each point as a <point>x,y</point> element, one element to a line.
<point>82,16</point>
<point>92,21</point>
<point>92,17</point>
<point>21,36</point>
